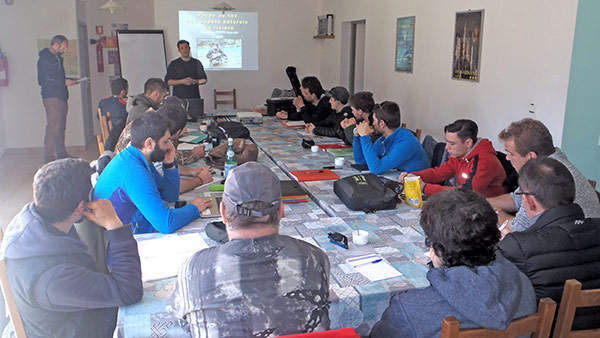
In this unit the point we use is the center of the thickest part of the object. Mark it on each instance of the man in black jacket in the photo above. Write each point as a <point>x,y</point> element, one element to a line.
<point>338,100</point>
<point>51,77</point>
<point>561,244</point>
<point>313,106</point>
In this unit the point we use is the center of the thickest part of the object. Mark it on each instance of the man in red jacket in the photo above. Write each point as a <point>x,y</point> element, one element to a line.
<point>472,161</point>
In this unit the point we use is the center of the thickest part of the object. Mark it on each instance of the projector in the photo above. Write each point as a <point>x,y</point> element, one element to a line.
<point>250,117</point>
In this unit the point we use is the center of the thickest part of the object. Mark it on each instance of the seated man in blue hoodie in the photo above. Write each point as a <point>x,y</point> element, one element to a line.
<point>137,189</point>
<point>398,148</point>
<point>115,105</point>
<point>57,288</point>
<point>469,279</point>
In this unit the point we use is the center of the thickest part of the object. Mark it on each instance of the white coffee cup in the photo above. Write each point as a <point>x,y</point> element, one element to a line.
<point>203,128</point>
<point>314,148</point>
<point>339,162</point>
<point>360,237</point>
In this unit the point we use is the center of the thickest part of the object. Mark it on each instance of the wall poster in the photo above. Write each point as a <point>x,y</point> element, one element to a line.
<point>405,43</point>
<point>467,45</point>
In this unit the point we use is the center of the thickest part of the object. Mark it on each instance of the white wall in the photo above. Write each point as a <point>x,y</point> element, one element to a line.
<point>526,56</point>
<point>21,24</point>
<point>286,29</point>
<point>139,14</point>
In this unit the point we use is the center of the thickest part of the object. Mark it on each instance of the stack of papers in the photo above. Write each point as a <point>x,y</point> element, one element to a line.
<point>194,137</point>
<point>163,256</point>
<point>374,267</point>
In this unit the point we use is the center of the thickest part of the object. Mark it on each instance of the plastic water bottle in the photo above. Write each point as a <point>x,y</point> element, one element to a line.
<point>230,160</point>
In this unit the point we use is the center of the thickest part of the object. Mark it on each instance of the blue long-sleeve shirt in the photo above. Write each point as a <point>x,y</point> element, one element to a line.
<point>137,192</point>
<point>401,150</point>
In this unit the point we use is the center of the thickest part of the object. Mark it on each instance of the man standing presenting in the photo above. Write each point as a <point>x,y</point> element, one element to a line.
<point>51,77</point>
<point>185,74</point>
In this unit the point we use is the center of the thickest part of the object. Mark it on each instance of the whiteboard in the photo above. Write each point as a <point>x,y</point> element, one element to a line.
<point>142,56</point>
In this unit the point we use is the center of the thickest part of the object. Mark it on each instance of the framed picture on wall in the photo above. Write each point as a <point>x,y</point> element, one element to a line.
<point>405,43</point>
<point>467,45</point>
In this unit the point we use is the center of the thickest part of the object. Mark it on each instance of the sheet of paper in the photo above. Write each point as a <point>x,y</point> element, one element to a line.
<point>162,257</point>
<point>373,271</point>
<point>189,138</point>
<point>185,146</point>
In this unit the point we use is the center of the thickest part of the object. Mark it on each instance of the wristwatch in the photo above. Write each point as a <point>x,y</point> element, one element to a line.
<point>170,165</point>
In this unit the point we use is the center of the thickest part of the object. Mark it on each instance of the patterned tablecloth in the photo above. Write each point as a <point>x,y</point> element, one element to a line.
<point>355,301</point>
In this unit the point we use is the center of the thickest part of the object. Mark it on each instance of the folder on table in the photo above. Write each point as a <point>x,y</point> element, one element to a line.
<point>314,175</point>
<point>193,137</point>
<point>334,146</point>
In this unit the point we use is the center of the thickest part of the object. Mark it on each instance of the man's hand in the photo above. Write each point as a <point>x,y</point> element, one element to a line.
<point>402,176</point>
<point>503,216</point>
<point>188,81</point>
<point>282,115</point>
<point>204,174</point>
<point>309,128</point>
<point>201,203</point>
<point>102,213</point>
<point>507,230</point>
<point>199,151</point>
<point>170,154</point>
<point>364,129</point>
<point>298,102</point>
<point>348,122</point>
<point>70,82</point>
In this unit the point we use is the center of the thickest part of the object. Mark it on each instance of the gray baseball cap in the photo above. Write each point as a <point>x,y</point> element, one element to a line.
<point>252,182</point>
<point>339,93</point>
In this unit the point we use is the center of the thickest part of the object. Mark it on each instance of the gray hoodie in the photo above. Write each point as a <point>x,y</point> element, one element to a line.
<point>53,278</point>
<point>488,297</point>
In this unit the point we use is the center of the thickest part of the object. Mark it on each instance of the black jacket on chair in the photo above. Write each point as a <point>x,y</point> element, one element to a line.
<point>331,127</point>
<point>560,245</point>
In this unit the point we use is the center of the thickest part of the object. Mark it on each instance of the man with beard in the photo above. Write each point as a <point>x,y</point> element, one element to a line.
<point>137,189</point>
<point>185,74</point>
<point>397,148</point>
<point>313,106</point>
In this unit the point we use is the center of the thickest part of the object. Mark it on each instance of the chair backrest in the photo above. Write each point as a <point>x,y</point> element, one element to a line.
<point>231,93</point>
<point>539,324</point>
<point>11,304</point>
<point>572,298</point>
<point>104,127</point>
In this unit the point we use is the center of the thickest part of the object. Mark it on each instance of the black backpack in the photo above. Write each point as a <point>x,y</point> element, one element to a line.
<point>367,192</point>
<point>219,132</point>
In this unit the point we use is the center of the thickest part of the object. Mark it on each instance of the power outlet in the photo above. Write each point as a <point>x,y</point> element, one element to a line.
<point>532,107</point>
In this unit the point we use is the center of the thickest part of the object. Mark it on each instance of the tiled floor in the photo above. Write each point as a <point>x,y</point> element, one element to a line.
<point>17,168</point>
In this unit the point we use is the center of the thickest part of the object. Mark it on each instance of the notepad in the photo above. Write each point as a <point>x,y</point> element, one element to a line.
<point>185,146</point>
<point>341,152</point>
<point>194,137</point>
<point>373,271</point>
<point>293,124</point>
<point>163,256</point>
<point>334,146</point>
<point>314,175</point>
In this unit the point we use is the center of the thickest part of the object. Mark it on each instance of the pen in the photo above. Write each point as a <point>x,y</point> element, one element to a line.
<point>366,263</point>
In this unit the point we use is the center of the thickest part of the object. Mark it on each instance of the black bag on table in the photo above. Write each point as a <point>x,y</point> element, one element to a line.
<point>219,132</point>
<point>366,192</point>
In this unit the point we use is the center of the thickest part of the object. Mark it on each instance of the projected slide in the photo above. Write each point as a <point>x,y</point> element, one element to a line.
<point>221,41</point>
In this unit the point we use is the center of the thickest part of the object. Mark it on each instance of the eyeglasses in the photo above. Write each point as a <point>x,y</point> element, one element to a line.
<point>524,193</point>
<point>338,239</point>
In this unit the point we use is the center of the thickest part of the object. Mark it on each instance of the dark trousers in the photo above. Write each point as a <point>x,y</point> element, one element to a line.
<point>115,132</point>
<point>56,123</point>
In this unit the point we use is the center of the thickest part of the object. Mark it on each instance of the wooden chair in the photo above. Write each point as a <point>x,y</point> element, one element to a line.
<point>11,304</point>
<point>105,128</point>
<point>230,93</point>
<point>416,132</point>
<point>572,298</point>
<point>538,323</point>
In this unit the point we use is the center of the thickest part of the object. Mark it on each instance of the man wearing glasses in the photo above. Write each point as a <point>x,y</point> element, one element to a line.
<point>561,243</point>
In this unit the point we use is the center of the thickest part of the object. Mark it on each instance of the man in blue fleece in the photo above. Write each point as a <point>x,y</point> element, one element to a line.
<point>398,148</point>
<point>57,288</point>
<point>137,189</point>
<point>469,279</point>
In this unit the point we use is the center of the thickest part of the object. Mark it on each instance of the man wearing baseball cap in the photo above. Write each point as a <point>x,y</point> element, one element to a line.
<point>338,99</point>
<point>259,283</point>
